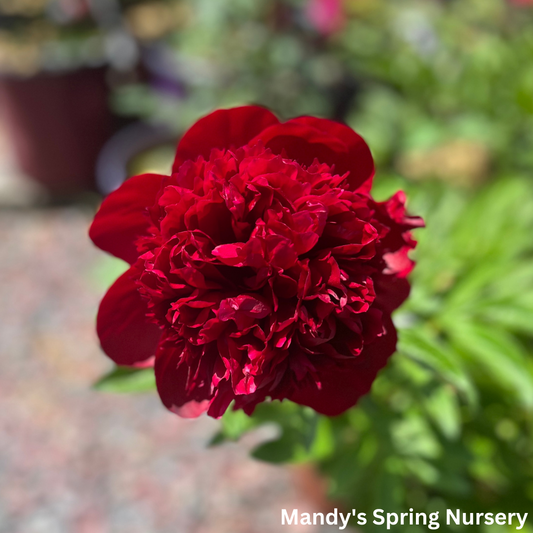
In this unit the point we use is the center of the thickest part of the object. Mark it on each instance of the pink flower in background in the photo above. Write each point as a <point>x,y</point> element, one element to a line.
<point>74,9</point>
<point>326,16</point>
<point>260,268</point>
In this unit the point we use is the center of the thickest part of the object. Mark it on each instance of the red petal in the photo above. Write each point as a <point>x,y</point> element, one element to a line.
<point>300,142</point>
<point>125,334</point>
<point>305,138</point>
<point>391,291</point>
<point>121,218</point>
<point>359,161</point>
<point>343,384</point>
<point>176,390</point>
<point>225,128</point>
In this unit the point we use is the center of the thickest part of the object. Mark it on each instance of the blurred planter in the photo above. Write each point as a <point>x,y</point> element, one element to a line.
<point>58,124</point>
<point>137,148</point>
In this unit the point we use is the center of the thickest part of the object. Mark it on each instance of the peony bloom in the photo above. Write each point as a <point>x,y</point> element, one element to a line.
<point>260,268</point>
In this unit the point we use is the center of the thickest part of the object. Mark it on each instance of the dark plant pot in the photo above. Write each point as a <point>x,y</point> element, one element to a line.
<point>58,123</point>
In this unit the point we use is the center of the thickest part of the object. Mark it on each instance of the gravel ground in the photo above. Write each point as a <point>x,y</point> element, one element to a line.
<point>73,460</point>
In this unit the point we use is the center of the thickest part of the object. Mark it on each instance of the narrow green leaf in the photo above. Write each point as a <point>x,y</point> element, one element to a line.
<point>413,437</point>
<point>510,317</point>
<point>499,355</point>
<point>126,380</point>
<point>277,451</point>
<point>236,423</point>
<point>323,443</point>
<point>443,408</point>
<point>218,438</point>
<point>419,345</point>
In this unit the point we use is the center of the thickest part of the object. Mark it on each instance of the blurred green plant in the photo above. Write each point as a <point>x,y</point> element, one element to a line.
<point>126,380</point>
<point>409,75</point>
<point>437,71</point>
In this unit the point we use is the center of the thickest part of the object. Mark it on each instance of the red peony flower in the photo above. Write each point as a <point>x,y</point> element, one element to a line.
<point>260,268</point>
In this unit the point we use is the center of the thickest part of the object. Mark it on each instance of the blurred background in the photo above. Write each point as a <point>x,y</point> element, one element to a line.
<point>94,91</point>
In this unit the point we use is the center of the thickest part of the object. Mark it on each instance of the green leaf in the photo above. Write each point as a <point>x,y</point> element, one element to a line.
<point>218,438</point>
<point>236,423</point>
<point>305,435</point>
<point>277,451</point>
<point>501,232</point>
<point>499,355</point>
<point>517,281</point>
<point>107,270</point>
<point>126,380</point>
<point>413,437</point>
<point>323,443</point>
<point>469,290</point>
<point>510,317</point>
<point>424,470</point>
<point>443,408</point>
<point>422,347</point>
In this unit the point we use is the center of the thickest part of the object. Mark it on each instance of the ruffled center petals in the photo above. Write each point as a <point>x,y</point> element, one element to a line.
<point>231,254</point>
<point>343,382</point>
<point>243,309</point>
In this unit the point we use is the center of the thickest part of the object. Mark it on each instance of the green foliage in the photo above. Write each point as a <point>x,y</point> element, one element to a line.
<point>107,270</point>
<point>127,380</point>
<point>408,75</point>
<point>302,434</point>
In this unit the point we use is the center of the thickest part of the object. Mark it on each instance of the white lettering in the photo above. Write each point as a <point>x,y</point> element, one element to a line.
<point>453,517</point>
<point>285,520</point>
<point>434,520</point>
<point>501,519</point>
<point>424,519</point>
<point>307,518</point>
<point>522,522</point>
<point>344,522</point>
<point>318,515</point>
<point>456,518</point>
<point>334,519</point>
<point>378,514</point>
<point>390,517</point>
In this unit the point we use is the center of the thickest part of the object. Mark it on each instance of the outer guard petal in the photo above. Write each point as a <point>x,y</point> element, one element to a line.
<point>391,292</point>
<point>121,218</point>
<point>342,385</point>
<point>125,334</point>
<point>359,161</point>
<point>305,138</point>
<point>225,128</point>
